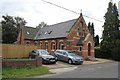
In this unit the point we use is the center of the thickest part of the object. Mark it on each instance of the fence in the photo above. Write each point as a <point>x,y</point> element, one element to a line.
<point>16,51</point>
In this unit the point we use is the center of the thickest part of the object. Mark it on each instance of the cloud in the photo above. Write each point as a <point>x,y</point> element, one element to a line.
<point>36,11</point>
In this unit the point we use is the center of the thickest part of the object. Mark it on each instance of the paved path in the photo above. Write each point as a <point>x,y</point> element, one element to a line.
<point>61,64</point>
<point>104,70</point>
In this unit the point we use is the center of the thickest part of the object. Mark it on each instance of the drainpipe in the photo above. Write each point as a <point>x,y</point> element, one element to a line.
<point>56,44</point>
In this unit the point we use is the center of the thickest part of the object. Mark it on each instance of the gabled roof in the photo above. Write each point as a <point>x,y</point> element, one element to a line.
<point>29,32</point>
<point>52,31</point>
<point>55,31</point>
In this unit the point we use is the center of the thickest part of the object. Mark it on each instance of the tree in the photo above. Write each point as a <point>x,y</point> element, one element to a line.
<point>41,25</point>
<point>111,31</point>
<point>91,29</point>
<point>10,28</point>
<point>92,32</point>
<point>96,40</point>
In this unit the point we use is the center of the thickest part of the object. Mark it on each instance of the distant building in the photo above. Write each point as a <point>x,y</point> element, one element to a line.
<point>69,35</point>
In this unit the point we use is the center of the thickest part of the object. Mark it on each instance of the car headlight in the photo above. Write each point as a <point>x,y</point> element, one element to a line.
<point>74,59</point>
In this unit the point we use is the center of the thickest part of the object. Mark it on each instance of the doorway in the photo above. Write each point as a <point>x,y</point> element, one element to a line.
<point>89,48</point>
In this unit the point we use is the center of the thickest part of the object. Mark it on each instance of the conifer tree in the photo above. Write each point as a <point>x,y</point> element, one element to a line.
<point>111,31</point>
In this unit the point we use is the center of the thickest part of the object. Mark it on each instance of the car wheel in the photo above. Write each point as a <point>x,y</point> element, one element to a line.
<point>54,63</point>
<point>70,61</point>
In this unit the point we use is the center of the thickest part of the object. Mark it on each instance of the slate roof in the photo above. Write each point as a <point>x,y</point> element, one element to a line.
<point>55,31</point>
<point>80,41</point>
<point>29,32</point>
<point>52,31</point>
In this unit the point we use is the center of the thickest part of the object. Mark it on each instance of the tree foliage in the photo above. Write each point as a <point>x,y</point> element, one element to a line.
<point>96,39</point>
<point>92,32</point>
<point>41,25</point>
<point>91,29</point>
<point>111,32</point>
<point>10,28</point>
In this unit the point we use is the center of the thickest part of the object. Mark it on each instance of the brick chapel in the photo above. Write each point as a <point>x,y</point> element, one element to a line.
<point>69,35</point>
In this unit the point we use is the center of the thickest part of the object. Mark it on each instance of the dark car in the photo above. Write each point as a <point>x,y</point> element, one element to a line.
<point>68,56</point>
<point>46,56</point>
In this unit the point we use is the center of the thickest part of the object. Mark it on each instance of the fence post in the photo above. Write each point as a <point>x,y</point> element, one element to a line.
<point>38,61</point>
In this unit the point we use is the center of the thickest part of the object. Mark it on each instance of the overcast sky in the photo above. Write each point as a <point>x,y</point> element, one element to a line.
<point>36,11</point>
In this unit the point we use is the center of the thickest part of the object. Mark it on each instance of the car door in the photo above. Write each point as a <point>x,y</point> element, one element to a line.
<point>65,56</point>
<point>59,55</point>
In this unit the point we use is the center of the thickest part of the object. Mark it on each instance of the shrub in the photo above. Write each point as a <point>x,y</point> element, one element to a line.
<point>98,52</point>
<point>116,53</point>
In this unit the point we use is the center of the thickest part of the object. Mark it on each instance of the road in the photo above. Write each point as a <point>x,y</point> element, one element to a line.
<point>103,70</point>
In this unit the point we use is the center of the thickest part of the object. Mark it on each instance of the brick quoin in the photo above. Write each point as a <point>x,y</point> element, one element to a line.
<point>70,41</point>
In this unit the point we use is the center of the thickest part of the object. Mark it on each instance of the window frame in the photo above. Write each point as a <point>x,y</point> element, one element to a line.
<point>40,45</point>
<point>78,32</point>
<point>53,46</point>
<point>61,45</point>
<point>83,33</point>
<point>46,45</point>
<point>80,49</point>
<point>27,42</point>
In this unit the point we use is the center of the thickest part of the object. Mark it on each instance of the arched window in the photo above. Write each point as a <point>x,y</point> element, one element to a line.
<point>81,24</point>
<point>80,48</point>
<point>61,45</point>
<point>40,45</point>
<point>83,33</point>
<point>78,32</point>
<point>53,46</point>
<point>35,43</point>
<point>27,43</point>
<point>46,45</point>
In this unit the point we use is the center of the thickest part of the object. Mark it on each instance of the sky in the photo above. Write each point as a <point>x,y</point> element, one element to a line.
<point>36,11</point>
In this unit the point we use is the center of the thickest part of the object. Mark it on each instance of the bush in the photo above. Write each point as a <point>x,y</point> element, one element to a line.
<point>116,53</point>
<point>98,52</point>
<point>105,49</point>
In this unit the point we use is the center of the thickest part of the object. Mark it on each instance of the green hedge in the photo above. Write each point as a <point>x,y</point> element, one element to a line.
<point>116,53</point>
<point>98,53</point>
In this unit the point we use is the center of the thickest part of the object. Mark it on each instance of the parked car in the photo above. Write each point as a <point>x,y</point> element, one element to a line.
<point>46,56</point>
<point>68,56</point>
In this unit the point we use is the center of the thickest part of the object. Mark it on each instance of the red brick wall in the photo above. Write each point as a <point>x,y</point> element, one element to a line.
<point>85,47</point>
<point>23,62</point>
<point>72,39</point>
<point>50,44</point>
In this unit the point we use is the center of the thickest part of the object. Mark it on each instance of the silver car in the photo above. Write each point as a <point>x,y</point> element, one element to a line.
<point>46,56</point>
<point>68,56</point>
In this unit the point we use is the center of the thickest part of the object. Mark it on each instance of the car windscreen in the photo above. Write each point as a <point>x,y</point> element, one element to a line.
<point>44,53</point>
<point>71,53</point>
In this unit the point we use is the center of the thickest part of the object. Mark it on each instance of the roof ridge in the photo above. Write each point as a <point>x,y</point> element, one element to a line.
<point>61,22</point>
<point>29,27</point>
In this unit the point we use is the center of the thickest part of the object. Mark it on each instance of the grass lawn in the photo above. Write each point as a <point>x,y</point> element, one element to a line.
<point>14,72</point>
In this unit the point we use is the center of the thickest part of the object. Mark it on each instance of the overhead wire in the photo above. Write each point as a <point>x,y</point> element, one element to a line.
<point>69,10</point>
